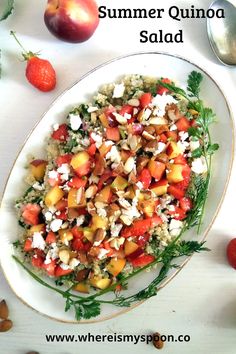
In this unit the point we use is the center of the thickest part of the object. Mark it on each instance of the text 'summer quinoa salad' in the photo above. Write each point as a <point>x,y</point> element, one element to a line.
<point>124,177</point>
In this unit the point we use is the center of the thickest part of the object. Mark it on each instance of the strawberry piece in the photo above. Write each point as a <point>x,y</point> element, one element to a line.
<point>50,267</point>
<point>37,261</point>
<point>59,272</point>
<point>92,149</point>
<point>145,99</point>
<point>140,227</point>
<point>142,260</point>
<point>180,160</point>
<point>177,213</point>
<point>60,160</point>
<point>63,215</point>
<point>61,134</point>
<point>30,214</point>
<point>172,135</point>
<point>77,233</point>
<point>145,177</point>
<point>77,244</point>
<point>28,245</point>
<point>143,239</point>
<point>51,237</point>
<point>185,203</point>
<point>183,124</point>
<point>61,205</point>
<point>126,109</point>
<point>77,182</point>
<point>177,192</point>
<point>134,255</point>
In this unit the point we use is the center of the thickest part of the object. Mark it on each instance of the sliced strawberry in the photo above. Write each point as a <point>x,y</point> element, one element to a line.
<point>126,109</point>
<point>77,233</point>
<point>77,244</point>
<point>77,182</point>
<point>50,267</point>
<point>63,159</point>
<point>31,213</point>
<point>51,237</point>
<point>163,138</point>
<point>175,191</point>
<point>145,99</point>
<point>59,272</point>
<point>177,213</point>
<point>186,204</point>
<point>142,260</point>
<point>61,134</point>
<point>145,177</point>
<point>180,160</point>
<point>172,135</point>
<point>183,124</point>
<point>37,261</point>
<point>143,239</point>
<point>63,215</point>
<point>134,255</point>
<point>92,149</point>
<point>28,245</point>
<point>62,204</point>
<point>140,227</point>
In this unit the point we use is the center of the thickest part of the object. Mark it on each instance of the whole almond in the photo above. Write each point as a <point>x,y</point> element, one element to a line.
<point>4,312</point>
<point>157,342</point>
<point>5,325</point>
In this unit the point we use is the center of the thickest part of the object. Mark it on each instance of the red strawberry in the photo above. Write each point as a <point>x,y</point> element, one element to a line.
<point>39,72</point>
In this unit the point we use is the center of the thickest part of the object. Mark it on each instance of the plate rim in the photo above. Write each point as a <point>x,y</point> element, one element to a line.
<point>231,115</point>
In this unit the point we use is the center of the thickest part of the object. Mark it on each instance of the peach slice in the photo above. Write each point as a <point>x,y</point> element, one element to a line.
<point>174,175</point>
<point>53,196</point>
<point>37,169</point>
<point>115,266</point>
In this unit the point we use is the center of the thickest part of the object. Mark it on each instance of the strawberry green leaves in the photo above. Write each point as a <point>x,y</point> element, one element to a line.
<point>6,9</point>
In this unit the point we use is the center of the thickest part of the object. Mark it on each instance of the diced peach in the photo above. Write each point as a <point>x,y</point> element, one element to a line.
<point>147,207</point>
<point>82,287</point>
<point>74,198</point>
<point>98,222</point>
<point>159,188</point>
<point>53,196</point>
<point>130,247</point>
<point>104,120</point>
<point>104,149</point>
<point>119,183</point>
<point>81,163</point>
<point>36,228</point>
<point>115,266</point>
<point>37,169</point>
<point>174,175</point>
<point>130,194</point>
<point>156,169</point>
<point>173,150</point>
<point>99,165</point>
<point>100,283</point>
<point>88,233</point>
<point>65,235</point>
<point>104,195</point>
<point>113,133</point>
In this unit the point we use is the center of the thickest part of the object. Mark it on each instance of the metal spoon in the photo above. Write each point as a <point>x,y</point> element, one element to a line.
<point>222,32</point>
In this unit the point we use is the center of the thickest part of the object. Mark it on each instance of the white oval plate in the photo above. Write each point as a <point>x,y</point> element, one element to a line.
<point>154,64</point>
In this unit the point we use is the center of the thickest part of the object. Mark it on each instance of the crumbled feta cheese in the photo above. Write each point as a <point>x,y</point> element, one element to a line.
<point>160,101</point>
<point>117,242</point>
<point>114,155</point>
<point>38,241</point>
<point>55,126</point>
<point>52,209</point>
<point>109,143</point>
<point>119,90</point>
<point>48,216</point>
<point>102,253</point>
<point>92,109</point>
<point>80,220</point>
<point>175,224</point>
<point>124,203</point>
<point>173,127</point>
<point>127,116</point>
<point>97,138</point>
<point>135,111</point>
<point>115,229</point>
<point>38,186</point>
<point>147,113</point>
<point>55,225</point>
<point>199,165</point>
<point>102,212</point>
<point>194,145</point>
<point>64,266</point>
<point>182,146</point>
<point>53,174</point>
<point>139,185</point>
<point>93,179</point>
<point>73,263</point>
<point>160,148</point>
<point>64,168</point>
<point>183,135</point>
<point>75,121</point>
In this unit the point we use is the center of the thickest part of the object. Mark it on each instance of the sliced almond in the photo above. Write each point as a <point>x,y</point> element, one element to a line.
<point>5,325</point>
<point>99,236</point>
<point>151,146</point>
<point>79,195</point>
<point>158,121</point>
<point>132,141</point>
<point>134,102</point>
<point>142,162</point>
<point>150,129</point>
<point>148,136</point>
<point>129,165</point>
<point>4,312</point>
<point>64,256</point>
<point>120,119</point>
<point>126,220</point>
<point>141,115</point>
<point>91,208</point>
<point>91,191</point>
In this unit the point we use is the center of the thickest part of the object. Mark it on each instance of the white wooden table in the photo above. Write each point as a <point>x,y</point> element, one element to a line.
<point>201,300</point>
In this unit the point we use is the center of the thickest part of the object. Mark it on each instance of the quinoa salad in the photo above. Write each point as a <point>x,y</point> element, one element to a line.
<point>114,189</point>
